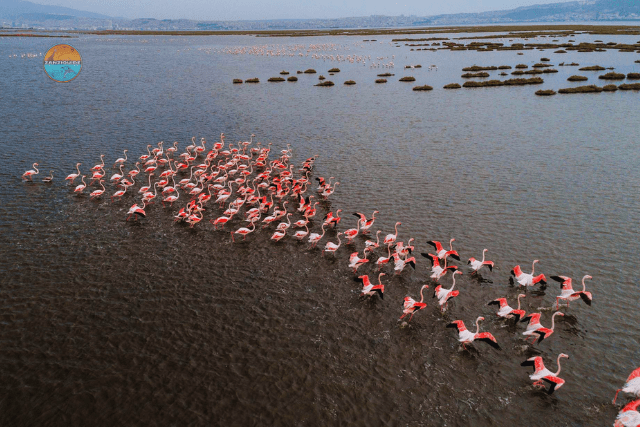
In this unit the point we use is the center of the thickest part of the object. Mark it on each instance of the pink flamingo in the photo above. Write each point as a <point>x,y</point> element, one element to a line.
<point>508,312</point>
<point>98,193</point>
<point>476,265</point>
<point>333,247</point>
<point>632,385</point>
<point>243,231</point>
<point>28,175</point>
<point>535,327</point>
<point>314,238</point>
<point>525,279</point>
<point>541,374</point>
<point>355,261</point>
<point>121,160</point>
<point>411,306</point>
<point>391,238</point>
<point>569,294</point>
<point>82,186</point>
<point>369,289</point>
<point>444,295</point>
<point>71,177</point>
<point>441,252</point>
<point>467,337</point>
<point>136,210</point>
<point>629,415</point>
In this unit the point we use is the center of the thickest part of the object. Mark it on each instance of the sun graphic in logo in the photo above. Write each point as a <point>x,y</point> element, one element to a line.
<point>62,63</point>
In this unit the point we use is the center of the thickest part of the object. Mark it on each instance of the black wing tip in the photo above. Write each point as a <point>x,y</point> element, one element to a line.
<point>456,257</point>
<point>528,363</point>
<point>557,278</point>
<point>490,267</point>
<point>494,303</point>
<point>451,325</point>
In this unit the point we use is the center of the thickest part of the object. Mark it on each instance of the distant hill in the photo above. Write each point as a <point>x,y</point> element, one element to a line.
<point>23,13</point>
<point>20,9</point>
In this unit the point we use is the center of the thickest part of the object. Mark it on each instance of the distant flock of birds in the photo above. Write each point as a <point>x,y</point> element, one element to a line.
<point>259,181</point>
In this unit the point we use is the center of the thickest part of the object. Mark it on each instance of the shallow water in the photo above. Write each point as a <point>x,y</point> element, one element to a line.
<point>112,322</point>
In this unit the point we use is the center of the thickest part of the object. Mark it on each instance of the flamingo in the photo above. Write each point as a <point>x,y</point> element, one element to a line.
<point>399,263</point>
<point>541,374</point>
<point>119,194</point>
<point>404,251</point>
<point>412,306</point>
<point>365,224</point>
<point>98,193</point>
<point>146,188</point>
<point>121,160</point>
<point>193,219</point>
<point>333,220</point>
<point>441,252</point>
<point>48,179</point>
<point>569,294</point>
<point>117,176</point>
<point>384,260</point>
<point>436,271</point>
<point>28,175</point>
<point>137,210</point>
<point>629,415</point>
<point>100,166</point>
<point>146,156</point>
<point>368,288</point>
<point>82,186</point>
<point>300,234</point>
<point>467,337</point>
<point>329,190</point>
<point>525,279</point>
<point>391,238</point>
<point>632,385</point>
<point>355,261</point>
<point>535,327</point>
<point>71,177</point>
<point>278,235</point>
<point>351,233</point>
<point>314,238</point>
<point>333,247</point>
<point>370,245</point>
<point>506,311</point>
<point>476,265</point>
<point>170,199</point>
<point>149,196</point>
<point>243,231</point>
<point>444,295</point>
<point>221,220</point>
<point>284,226</point>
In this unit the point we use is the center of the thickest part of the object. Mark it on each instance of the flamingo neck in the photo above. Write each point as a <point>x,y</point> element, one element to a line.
<point>533,268</point>
<point>483,252</point>
<point>477,326</point>
<point>553,320</point>
<point>422,294</point>
<point>559,367</point>
<point>519,296</point>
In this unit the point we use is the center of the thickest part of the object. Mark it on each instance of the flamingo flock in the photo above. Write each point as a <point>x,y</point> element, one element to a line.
<point>241,175</point>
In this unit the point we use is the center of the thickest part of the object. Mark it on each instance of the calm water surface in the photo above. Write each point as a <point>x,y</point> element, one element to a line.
<point>108,322</point>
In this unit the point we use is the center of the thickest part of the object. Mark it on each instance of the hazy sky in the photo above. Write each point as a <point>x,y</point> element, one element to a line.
<point>285,9</point>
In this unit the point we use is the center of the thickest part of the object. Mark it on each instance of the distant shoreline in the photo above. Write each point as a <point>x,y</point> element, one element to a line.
<point>590,29</point>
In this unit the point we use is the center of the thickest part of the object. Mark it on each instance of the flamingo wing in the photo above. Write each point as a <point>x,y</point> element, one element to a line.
<point>586,296</point>
<point>433,258</point>
<point>554,381</point>
<point>536,362</point>
<point>363,279</point>
<point>459,324</point>
<point>488,338</point>
<point>562,279</point>
<point>517,271</point>
<point>489,264</point>
<point>518,314</point>
<point>380,290</point>
<point>437,245</point>
<point>498,301</point>
<point>362,217</point>
<point>542,333</point>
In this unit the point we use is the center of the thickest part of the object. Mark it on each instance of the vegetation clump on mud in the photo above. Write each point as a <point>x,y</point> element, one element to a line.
<point>381,80</point>
<point>325,83</point>
<point>452,86</point>
<point>386,75</point>
<point>581,89</point>
<point>612,76</point>
<point>284,73</point>
<point>609,88</point>
<point>276,79</point>
<point>547,92</point>
<point>576,78</point>
<point>292,79</point>
<point>310,71</point>
<point>253,80</point>
<point>472,75</point>
<point>236,81</point>
<point>350,82</point>
<point>509,82</point>
<point>425,87</point>
<point>408,79</point>
<point>334,70</point>
<point>522,66</point>
<point>321,77</point>
<point>479,68</point>
<point>592,68</point>
<point>629,86</point>
<point>633,76</point>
